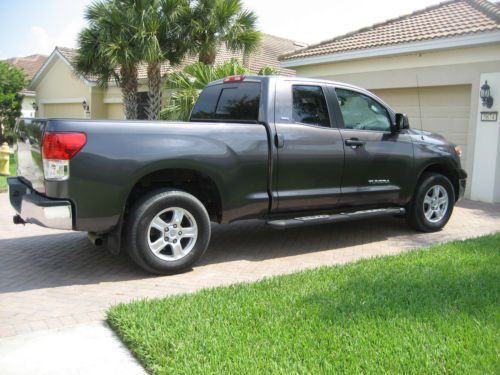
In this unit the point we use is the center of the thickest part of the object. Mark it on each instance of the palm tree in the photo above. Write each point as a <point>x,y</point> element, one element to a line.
<point>107,50</point>
<point>187,85</point>
<point>160,28</point>
<point>218,22</point>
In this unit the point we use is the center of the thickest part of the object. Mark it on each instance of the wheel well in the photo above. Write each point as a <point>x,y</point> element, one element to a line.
<point>190,181</point>
<point>445,171</point>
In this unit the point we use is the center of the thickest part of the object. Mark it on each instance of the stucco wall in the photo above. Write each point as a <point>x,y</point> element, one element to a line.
<point>59,82</point>
<point>486,184</point>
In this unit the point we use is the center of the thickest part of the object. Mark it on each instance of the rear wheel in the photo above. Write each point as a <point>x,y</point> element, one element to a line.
<point>432,203</point>
<point>168,231</point>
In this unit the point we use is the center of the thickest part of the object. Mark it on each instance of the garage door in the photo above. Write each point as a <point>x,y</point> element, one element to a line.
<point>63,110</point>
<point>445,110</point>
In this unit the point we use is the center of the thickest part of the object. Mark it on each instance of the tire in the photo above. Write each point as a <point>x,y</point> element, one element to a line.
<point>155,238</point>
<point>428,211</point>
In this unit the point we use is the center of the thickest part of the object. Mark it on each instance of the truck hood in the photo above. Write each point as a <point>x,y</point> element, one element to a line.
<point>428,137</point>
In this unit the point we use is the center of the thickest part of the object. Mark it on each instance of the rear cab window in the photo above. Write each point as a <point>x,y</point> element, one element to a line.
<point>228,102</point>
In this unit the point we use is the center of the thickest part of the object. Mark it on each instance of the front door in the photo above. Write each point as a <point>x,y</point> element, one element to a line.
<point>378,163</point>
<point>310,151</point>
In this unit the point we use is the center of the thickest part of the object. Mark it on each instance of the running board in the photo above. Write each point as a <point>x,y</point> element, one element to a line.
<point>322,219</point>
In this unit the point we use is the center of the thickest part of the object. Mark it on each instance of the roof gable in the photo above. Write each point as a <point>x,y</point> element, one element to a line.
<point>448,19</point>
<point>58,53</point>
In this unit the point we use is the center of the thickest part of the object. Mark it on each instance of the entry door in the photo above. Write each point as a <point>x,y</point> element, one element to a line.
<point>378,163</point>
<point>309,147</point>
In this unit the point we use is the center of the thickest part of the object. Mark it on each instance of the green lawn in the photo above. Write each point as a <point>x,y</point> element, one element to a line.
<point>3,179</point>
<point>435,310</point>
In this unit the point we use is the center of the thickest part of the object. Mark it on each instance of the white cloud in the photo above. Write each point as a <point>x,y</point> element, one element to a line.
<point>45,42</point>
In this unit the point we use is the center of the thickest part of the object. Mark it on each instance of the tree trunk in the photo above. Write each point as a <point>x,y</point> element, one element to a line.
<point>208,54</point>
<point>154,94</point>
<point>129,91</point>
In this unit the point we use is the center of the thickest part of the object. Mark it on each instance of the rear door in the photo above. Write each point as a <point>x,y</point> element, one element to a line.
<point>378,163</point>
<point>309,147</point>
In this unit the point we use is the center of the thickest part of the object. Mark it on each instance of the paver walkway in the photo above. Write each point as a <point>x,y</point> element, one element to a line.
<point>51,279</point>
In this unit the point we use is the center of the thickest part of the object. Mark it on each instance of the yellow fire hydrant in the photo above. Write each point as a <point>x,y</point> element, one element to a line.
<point>4,160</point>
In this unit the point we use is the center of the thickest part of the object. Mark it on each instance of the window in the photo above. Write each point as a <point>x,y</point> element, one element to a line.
<point>362,112</point>
<point>224,102</point>
<point>309,105</point>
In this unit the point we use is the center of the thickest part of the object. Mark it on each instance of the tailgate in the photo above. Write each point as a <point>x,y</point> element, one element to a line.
<point>29,136</point>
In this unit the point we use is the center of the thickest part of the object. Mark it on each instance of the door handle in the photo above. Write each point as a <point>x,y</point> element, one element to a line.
<point>354,143</point>
<point>279,140</point>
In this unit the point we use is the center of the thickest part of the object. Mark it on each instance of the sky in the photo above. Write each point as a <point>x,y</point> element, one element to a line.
<point>36,26</point>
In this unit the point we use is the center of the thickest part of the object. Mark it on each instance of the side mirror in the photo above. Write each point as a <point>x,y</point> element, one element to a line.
<point>402,122</point>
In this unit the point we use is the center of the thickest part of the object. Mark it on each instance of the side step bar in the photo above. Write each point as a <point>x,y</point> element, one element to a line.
<point>322,219</point>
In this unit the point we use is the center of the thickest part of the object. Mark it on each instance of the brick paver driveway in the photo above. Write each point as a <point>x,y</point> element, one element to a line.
<point>51,278</point>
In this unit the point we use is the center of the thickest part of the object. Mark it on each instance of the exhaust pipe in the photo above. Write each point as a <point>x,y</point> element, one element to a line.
<point>95,239</point>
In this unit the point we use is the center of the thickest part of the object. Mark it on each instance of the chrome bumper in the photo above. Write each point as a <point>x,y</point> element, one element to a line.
<point>34,208</point>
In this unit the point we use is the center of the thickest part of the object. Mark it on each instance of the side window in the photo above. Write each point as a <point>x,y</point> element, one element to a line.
<point>309,105</point>
<point>362,112</point>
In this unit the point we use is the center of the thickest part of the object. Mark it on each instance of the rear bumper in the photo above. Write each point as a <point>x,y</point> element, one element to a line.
<point>37,209</point>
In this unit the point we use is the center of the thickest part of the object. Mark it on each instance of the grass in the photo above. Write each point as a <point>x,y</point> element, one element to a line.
<point>435,310</point>
<point>3,179</point>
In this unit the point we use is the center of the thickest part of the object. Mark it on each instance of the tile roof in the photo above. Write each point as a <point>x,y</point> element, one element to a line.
<point>267,55</point>
<point>29,64</point>
<point>447,19</point>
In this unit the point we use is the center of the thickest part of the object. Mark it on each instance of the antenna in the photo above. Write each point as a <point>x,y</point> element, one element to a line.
<point>419,104</point>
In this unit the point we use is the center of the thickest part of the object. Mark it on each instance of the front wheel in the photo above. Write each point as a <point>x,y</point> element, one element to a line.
<point>432,203</point>
<point>168,231</point>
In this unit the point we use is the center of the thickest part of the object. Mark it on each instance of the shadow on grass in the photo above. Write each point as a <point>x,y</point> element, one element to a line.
<point>418,290</point>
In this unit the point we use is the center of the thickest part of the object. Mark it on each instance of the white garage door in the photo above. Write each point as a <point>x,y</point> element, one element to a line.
<point>445,110</point>
<point>63,110</point>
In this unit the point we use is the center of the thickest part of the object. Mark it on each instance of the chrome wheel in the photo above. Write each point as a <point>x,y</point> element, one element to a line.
<point>172,234</point>
<point>435,203</point>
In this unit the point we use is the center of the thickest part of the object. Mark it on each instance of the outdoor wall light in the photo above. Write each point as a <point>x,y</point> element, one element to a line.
<point>485,95</point>
<point>85,106</point>
<point>35,107</point>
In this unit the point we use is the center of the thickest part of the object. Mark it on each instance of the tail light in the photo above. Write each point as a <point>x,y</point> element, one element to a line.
<point>234,79</point>
<point>57,150</point>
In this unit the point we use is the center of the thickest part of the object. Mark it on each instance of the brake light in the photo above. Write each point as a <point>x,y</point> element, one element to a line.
<point>57,150</point>
<point>62,146</point>
<point>238,78</point>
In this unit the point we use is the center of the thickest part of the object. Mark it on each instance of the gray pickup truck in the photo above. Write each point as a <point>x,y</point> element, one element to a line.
<point>288,150</point>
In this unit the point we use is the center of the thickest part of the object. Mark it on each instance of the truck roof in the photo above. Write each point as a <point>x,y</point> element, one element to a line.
<point>292,78</point>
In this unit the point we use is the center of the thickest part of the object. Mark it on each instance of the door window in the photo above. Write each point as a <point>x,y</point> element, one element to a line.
<point>361,112</point>
<point>309,105</point>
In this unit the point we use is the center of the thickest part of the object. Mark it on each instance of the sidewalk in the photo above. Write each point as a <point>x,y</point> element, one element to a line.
<point>85,349</point>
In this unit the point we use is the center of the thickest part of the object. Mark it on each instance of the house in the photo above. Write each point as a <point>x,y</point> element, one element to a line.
<point>62,93</point>
<point>29,65</point>
<point>430,64</point>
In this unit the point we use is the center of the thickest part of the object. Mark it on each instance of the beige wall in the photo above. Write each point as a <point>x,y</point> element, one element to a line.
<point>114,111</point>
<point>63,110</point>
<point>98,109</point>
<point>59,82</point>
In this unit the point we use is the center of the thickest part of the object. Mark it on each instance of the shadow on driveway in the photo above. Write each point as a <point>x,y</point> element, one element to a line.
<point>35,262</point>
<point>55,260</point>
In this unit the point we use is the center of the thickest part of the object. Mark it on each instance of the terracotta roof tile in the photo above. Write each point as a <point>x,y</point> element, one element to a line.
<point>267,55</point>
<point>447,19</point>
<point>29,64</point>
